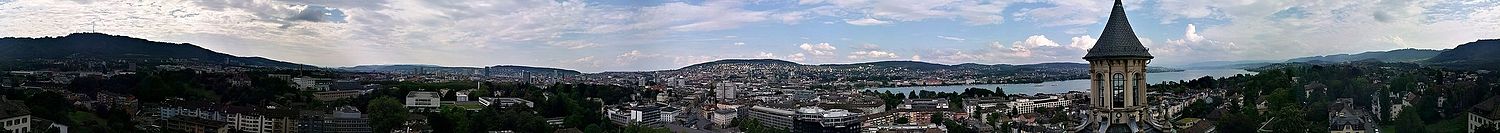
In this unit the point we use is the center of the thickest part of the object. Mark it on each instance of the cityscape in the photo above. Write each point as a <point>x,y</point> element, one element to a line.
<point>768,66</point>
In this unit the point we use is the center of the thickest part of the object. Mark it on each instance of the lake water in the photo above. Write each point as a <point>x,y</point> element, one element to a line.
<point>1068,85</point>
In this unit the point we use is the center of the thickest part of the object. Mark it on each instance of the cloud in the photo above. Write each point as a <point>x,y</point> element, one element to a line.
<point>1033,49</point>
<point>792,18</point>
<point>866,22</point>
<point>871,51</point>
<point>573,44</point>
<point>1194,47</point>
<point>765,55</point>
<point>797,57</point>
<point>973,12</point>
<point>951,38</point>
<point>872,55</point>
<point>1071,12</point>
<point>316,13</point>
<point>820,49</point>
<point>916,57</point>
<point>1289,29</point>
<point>709,16</point>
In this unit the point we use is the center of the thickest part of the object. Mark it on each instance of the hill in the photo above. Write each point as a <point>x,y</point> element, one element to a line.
<point>1399,55</point>
<point>1482,54</point>
<point>87,46</point>
<point>740,62</point>
<point>499,70</point>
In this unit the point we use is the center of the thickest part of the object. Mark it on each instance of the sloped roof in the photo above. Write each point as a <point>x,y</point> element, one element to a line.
<point>10,109</point>
<point>1118,39</point>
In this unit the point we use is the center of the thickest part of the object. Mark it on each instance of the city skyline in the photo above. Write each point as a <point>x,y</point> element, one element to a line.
<point>596,36</point>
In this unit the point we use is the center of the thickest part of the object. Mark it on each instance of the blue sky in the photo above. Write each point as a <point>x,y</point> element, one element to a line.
<point>634,35</point>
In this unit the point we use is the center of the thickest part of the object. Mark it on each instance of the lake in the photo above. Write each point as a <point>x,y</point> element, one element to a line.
<point>1068,85</point>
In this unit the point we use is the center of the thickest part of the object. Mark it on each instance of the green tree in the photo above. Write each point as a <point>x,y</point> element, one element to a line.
<point>1410,122</point>
<point>903,120</point>
<point>386,113</point>
<point>457,117</point>
<point>937,118</point>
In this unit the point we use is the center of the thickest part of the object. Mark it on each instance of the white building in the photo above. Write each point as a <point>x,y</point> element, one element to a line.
<point>724,116</point>
<point>1484,114</point>
<point>668,114</point>
<point>635,114</point>
<point>312,84</point>
<point>423,101</point>
<point>1029,104</point>
<point>15,116</point>
<point>505,102</point>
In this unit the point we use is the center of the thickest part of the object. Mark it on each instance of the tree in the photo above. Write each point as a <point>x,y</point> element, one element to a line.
<point>49,105</point>
<point>386,113</point>
<point>1410,122</point>
<point>903,120</point>
<point>936,118</point>
<point>457,117</point>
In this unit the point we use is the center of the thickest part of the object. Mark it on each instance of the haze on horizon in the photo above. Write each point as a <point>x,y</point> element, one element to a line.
<point>595,36</point>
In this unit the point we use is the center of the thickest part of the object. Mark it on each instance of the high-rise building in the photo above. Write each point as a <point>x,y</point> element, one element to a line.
<point>1117,64</point>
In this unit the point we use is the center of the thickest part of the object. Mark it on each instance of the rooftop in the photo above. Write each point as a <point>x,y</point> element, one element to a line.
<point>422,94</point>
<point>10,109</point>
<point>1118,39</point>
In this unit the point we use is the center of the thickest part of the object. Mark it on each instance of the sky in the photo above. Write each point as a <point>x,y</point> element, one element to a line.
<point>637,35</point>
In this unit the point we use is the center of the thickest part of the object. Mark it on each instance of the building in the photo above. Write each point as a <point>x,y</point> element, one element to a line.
<point>920,111</point>
<point>423,101</point>
<point>312,84</point>
<point>1484,114</point>
<point>635,114</point>
<point>1344,117</point>
<point>809,119</point>
<point>724,117</point>
<point>728,91</point>
<point>505,102</point>
<point>986,104</point>
<point>242,119</point>
<point>669,114</point>
<point>1029,104</point>
<point>256,120</point>
<point>336,95</point>
<point>15,117</point>
<point>1117,63</point>
<point>346,119</point>
<point>196,125</point>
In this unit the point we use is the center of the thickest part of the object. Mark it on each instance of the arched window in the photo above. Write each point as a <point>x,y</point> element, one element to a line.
<point>1099,91</point>
<point>1117,82</point>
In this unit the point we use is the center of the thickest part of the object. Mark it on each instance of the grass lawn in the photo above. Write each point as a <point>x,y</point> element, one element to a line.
<point>1455,125</point>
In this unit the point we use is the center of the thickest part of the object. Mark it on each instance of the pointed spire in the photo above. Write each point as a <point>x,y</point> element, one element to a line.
<point>1118,39</point>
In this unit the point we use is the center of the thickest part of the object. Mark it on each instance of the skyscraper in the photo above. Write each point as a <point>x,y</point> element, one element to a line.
<point>1117,63</point>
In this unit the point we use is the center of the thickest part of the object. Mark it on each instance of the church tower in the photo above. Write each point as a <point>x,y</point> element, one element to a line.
<point>1117,67</point>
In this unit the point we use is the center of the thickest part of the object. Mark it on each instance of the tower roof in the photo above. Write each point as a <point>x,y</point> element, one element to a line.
<point>1118,40</point>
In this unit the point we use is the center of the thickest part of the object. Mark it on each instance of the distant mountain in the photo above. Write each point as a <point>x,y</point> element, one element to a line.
<point>104,46</point>
<point>741,62</point>
<point>900,64</point>
<point>535,70</point>
<point>1239,64</point>
<point>1399,55</point>
<point>499,70</point>
<point>1482,54</point>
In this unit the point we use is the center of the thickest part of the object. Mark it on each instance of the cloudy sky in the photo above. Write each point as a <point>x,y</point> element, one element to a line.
<point>629,35</point>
